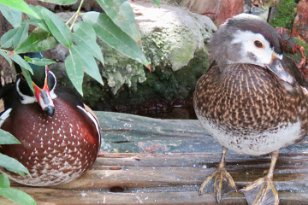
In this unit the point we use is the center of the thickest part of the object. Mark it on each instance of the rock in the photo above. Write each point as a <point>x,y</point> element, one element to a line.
<point>174,33</point>
<point>300,25</point>
<point>218,11</point>
<point>174,40</point>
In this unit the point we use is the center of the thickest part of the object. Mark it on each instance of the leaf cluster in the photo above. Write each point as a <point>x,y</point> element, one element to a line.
<point>116,27</point>
<point>12,165</point>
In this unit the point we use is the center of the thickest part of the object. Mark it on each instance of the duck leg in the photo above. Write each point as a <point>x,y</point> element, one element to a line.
<point>263,191</point>
<point>220,179</point>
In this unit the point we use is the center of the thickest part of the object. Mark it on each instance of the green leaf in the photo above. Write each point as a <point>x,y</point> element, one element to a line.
<point>6,56</point>
<point>89,63</point>
<point>21,35</point>
<point>4,181</point>
<point>20,5</point>
<point>113,36</point>
<point>11,15</point>
<point>7,138</point>
<point>17,196</point>
<point>7,39</point>
<point>38,40</point>
<point>60,2</point>
<point>57,27</point>
<point>85,37</point>
<point>25,68</point>
<point>38,22</point>
<point>27,76</point>
<point>12,165</point>
<point>39,61</point>
<point>122,14</point>
<point>73,65</point>
<point>21,62</point>
<point>14,37</point>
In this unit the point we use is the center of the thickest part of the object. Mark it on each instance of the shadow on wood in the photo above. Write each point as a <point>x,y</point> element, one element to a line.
<point>152,161</point>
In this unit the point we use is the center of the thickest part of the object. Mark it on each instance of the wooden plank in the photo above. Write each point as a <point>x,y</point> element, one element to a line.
<point>52,196</point>
<point>145,172</point>
<point>166,163</point>
<point>130,179</point>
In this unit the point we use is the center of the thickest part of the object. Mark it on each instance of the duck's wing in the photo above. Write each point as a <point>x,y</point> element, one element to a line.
<point>74,98</point>
<point>292,69</point>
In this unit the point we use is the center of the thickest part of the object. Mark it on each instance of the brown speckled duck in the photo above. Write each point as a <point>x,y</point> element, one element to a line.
<point>59,135</point>
<point>249,102</point>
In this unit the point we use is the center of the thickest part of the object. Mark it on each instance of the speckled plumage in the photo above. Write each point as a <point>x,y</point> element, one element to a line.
<point>55,149</point>
<point>251,100</point>
<point>59,136</point>
<point>248,101</point>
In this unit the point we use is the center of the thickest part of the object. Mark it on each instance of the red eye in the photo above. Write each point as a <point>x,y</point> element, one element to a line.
<point>258,44</point>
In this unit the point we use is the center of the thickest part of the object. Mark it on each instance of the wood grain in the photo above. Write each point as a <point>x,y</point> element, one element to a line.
<point>151,161</point>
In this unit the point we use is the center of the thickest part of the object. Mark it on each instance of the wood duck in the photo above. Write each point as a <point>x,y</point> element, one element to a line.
<point>249,101</point>
<point>59,135</point>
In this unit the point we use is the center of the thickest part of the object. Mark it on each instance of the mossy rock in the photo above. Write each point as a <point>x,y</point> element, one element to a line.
<point>177,49</point>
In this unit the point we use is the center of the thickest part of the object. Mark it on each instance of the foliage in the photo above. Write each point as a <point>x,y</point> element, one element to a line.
<point>12,194</point>
<point>286,11</point>
<point>116,27</point>
<point>14,166</point>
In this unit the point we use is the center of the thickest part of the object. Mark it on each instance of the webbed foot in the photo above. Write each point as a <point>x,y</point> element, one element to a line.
<point>220,180</point>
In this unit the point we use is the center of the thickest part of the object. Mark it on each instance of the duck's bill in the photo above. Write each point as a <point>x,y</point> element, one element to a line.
<point>44,99</point>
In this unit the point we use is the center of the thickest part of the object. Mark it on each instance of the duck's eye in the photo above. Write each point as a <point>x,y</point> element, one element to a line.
<point>258,44</point>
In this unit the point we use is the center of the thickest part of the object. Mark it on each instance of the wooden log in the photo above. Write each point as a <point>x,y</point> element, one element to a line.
<point>125,133</point>
<point>166,162</point>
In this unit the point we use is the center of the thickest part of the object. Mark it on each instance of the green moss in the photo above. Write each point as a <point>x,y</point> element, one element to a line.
<point>286,11</point>
<point>162,85</point>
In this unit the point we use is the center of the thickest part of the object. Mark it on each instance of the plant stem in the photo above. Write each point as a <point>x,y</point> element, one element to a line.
<point>75,16</point>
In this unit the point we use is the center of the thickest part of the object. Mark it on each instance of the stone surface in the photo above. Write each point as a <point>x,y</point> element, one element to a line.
<point>174,40</point>
<point>174,33</point>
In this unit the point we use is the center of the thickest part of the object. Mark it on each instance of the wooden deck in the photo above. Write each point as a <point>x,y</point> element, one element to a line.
<point>150,161</point>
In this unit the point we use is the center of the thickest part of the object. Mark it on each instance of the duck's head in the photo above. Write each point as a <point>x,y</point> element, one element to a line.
<point>248,39</point>
<point>43,83</point>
